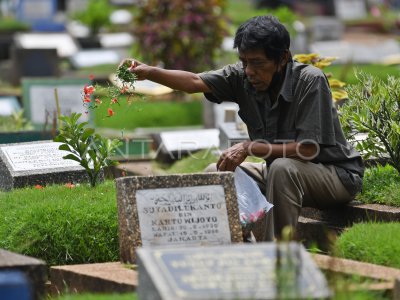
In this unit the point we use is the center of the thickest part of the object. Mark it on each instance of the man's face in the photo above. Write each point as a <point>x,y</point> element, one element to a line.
<point>258,68</point>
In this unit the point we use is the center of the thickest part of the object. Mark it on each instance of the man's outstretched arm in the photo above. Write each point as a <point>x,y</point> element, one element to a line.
<point>175,79</point>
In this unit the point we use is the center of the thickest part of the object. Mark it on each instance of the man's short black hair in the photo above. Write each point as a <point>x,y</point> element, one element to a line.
<point>263,32</point>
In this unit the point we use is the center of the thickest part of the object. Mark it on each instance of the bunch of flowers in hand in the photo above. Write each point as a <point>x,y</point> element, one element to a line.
<point>125,80</point>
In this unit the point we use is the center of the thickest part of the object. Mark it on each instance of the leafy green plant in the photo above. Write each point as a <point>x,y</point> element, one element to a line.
<point>9,24</point>
<point>96,15</point>
<point>15,122</point>
<point>187,38</point>
<point>89,149</point>
<point>381,185</point>
<point>373,109</point>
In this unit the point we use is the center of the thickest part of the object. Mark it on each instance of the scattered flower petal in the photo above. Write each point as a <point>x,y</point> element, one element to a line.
<point>69,185</point>
<point>110,112</point>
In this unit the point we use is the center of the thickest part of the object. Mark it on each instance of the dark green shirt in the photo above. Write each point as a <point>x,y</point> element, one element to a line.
<point>303,112</point>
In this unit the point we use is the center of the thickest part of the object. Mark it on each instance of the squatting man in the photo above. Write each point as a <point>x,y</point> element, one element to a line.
<point>292,123</point>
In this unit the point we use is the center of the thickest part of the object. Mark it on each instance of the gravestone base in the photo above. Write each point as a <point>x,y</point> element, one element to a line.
<point>111,277</point>
<point>34,269</point>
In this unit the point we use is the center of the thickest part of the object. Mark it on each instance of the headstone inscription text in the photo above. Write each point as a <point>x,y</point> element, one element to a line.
<point>196,214</point>
<point>37,156</point>
<point>262,271</point>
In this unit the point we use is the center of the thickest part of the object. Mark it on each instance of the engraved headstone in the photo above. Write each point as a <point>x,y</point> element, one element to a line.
<point>34,269</point>
<point>36,163</point>
<point>39,99</point>
<point>176,210</point>
<point>261,271</point>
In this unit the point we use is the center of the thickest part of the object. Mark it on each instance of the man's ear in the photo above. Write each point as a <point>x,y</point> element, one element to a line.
<point>285,58</point>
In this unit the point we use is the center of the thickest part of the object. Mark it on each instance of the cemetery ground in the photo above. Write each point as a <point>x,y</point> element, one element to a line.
<point>76,224</point>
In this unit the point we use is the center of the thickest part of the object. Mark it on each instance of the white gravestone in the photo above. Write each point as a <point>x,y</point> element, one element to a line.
<point>37,163</point>
<point>40,104</point>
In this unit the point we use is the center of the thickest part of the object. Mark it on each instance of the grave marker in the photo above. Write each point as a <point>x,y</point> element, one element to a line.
<point>41,14</point>
<point>261,271</point>
<point>33,163</point>
<point>350,9</point>
<point>34,269</point>
<point>173,145</point>
<point>39,99</point>
<point>180,210</point>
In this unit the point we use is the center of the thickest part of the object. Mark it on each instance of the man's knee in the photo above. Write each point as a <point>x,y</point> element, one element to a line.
<point>280,167</point>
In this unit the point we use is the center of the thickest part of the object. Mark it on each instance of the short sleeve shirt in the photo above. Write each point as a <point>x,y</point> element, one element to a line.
<point>303,112</point>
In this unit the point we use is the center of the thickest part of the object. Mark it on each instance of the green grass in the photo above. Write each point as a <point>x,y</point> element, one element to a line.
<point>125,296</point>
<point>346,73</point>
<point>61,225</point>
<point>375,243</point>
<point>142,113</point>
<point>239,11</point>
<point>381,185</point>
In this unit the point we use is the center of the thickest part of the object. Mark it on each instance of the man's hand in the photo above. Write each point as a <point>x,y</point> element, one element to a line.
<point>136,67</point>
<point>232,157</point>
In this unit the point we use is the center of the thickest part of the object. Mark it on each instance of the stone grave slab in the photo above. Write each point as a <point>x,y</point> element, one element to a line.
<point>41,14</point>
<point>231,134</point>
<point>9,105</point>
<point>63,42</point>
<point>39,99</point>
<point>247,271</point>
<point>33,63</point>
<point>32,163</point>
<point>350,9</point>
<point>34,269</point>
<point>176,210</point>
<point>110,277</point>
<point>94,57</point>
<point>173,145</point>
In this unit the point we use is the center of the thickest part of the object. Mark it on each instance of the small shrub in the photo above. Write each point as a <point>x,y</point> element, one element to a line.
<point>373,108</point>
<point>89,149</point>
<point>96,15</point>
<point>181,34</point>
<point>371,242</point>
<point>15,122</point>
<point>381,185</point>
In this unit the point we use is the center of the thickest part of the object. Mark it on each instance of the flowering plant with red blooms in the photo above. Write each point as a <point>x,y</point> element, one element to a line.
<point>112,94</point>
